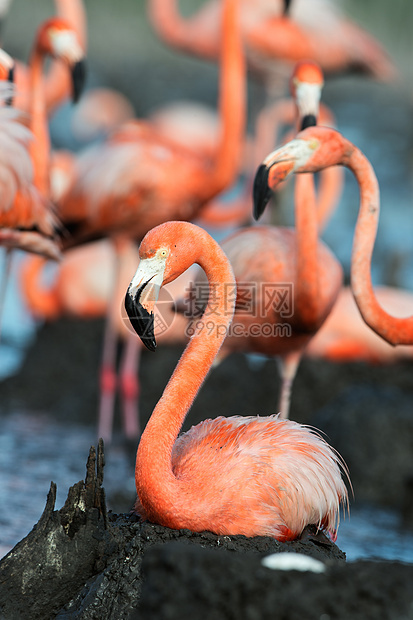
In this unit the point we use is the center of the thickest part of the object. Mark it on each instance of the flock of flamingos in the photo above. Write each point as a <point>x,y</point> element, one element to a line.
<point>146,183</point>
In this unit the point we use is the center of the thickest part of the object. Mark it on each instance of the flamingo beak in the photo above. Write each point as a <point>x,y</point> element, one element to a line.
<point>78,79</point>
<point>277,166</point>
<point>141,319</point>
<point>309,120</point>
<point>141,297</point>
<point>261,193</point>
<point>267,177</point>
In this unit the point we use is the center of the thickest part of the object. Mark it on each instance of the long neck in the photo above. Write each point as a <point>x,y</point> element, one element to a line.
<point>155,480</point>
<point>306,294</point>
<point>329,193</point>
<point>57,83</point>
<point>394,330</point>
<point>232,102</point>
<point>40,146</point>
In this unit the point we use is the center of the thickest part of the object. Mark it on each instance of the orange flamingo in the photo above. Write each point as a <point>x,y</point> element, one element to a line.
<point>252,476</point>
<point>82,287</point>
<point>315,30</point>
<point>316,148</point>
<point>28,222</point>
<point>139,178</point>
<point>26,218</point>
<point>56,81</point>
<point>283,300</point>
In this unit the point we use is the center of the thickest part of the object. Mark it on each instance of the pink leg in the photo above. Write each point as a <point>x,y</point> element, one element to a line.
<point>288,369</point>
<point>5,279</point>
<point>108,382</point>
<point>108,373</point>
<point>129,385</point>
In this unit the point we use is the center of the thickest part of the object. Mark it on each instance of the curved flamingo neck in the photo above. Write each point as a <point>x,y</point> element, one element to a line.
<point>232,102</point>
<point>40,146</point>
<point>158,489</point>
<point>394,330</point>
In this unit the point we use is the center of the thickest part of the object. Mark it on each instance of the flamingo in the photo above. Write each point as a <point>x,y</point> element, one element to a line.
<point>283,300</point>
<point>315,30</point>
<point>26,219</point>
<point>256,476</point>
<point>139,178</point>
<point>82,287</point>
<point>316,148</point>
<point>56,81</point>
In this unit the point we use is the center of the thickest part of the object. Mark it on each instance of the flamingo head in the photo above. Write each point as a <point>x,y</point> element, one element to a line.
<point>56,37</point>
<point>312,150</point>
<point>306,84</point>
<point>166,251</point>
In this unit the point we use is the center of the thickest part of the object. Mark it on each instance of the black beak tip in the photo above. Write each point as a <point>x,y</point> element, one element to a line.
<point>141,320</point>
<point>309,120</point>
<point>261,193</point>
<point>287,7</point>
<point>78,79</point>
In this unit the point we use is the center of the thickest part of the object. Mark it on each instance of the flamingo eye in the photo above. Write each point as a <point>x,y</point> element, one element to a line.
<point>163,253</point>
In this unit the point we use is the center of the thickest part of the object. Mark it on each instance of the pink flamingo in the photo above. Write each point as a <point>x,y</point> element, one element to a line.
<point>56,81</point>
<point>252,476</point>
<point>282,301</point>
<point>26,218</point>
<point>314,149</point>
<point>273,41</point>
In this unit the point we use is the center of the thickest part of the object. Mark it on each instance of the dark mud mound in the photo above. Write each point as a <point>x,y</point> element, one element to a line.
<point>185,582</point>
<point>80,562</point>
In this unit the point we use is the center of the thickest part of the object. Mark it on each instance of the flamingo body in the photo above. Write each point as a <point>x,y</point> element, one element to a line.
<point>264,258</point>
<point>264,456</point>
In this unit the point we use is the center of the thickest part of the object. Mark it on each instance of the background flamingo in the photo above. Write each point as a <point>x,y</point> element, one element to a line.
<point>251,476</point>
<point>283,300</point>
<point>312,150</point>
<point>315,30</point>
<point>57,85</point>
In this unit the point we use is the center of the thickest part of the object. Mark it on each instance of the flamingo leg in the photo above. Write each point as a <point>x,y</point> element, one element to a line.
<point>288,365</point>
<point>108,373</point>
<point>129,386</point>
<point>4,281</point>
